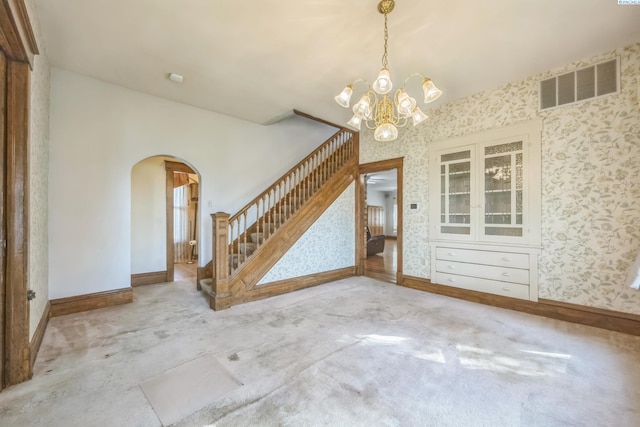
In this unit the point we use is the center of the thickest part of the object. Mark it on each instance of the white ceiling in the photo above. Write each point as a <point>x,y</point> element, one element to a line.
<point>383,181</point>
<point>258,60</point>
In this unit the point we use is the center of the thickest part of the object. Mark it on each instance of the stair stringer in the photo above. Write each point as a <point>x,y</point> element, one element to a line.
<point>242,285</point>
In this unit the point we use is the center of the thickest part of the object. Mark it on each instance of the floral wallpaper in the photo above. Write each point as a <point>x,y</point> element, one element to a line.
<point>329,244</point>
<point>38,178</point>
<point>590,181</point>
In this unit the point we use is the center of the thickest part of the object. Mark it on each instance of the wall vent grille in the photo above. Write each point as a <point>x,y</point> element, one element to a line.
<point>584,83</point>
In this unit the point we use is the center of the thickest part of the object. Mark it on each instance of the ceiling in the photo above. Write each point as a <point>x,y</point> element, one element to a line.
<point>383,181</point>
<point>257,60</point>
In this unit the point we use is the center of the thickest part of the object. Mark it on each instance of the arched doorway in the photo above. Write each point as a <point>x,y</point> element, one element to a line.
<point>164,221</point>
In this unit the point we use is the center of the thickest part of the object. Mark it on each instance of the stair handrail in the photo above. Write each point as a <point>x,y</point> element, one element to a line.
<point>278,181</point>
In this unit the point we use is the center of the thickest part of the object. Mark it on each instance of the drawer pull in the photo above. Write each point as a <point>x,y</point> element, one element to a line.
<point>451,253</point>
<point>506,274</point>
<point>506,289</point>
<point>451,279</point>
<point>506,258</point>
<point>451,267</point>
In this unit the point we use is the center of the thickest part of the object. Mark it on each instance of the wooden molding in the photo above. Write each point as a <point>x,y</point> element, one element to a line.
<point>79,303</point>
<point>590,316</point>
<point>141,279</point>
<point>205,272</point>
<point>361,253</point>
<point>289,285</point>
<point>10,38</point>
<point>316,119</point>
<point>38,335</point>
<point>177,167</point>
<point>17,359</point>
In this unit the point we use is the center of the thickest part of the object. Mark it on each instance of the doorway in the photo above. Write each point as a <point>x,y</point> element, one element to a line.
<point>380,220</point>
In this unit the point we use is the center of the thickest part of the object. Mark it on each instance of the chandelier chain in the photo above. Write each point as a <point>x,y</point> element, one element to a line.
<point>385,60</point>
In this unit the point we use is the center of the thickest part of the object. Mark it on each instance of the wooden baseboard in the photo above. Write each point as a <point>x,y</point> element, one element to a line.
<point>38,335</point>
<point>289,285</point>
<point>79,303</point>
<point>600,318</point>
<point>151,278</point>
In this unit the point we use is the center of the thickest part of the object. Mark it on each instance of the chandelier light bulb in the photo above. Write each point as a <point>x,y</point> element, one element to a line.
<point>418,116</point>
<point>344,97</point>
<point>386,132</point>
<point>431,92</point>
<point>355,121</point>
<point>363,107</point>
<point>383,83</point>
<point>405,103</point>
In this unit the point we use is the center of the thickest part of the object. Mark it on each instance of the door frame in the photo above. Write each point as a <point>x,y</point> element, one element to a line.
<point>361,211</point>
<point>170,168</point>
<point>15,360</point>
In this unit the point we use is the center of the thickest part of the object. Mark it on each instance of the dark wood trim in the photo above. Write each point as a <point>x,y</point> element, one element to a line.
<point>87,302</point>
<point>3,217</point>
<point>17,359</point>
<point>590,316</point>
<point>169,228</point>
<point>38,335</point>
<point>10,39</point>
<point>177,167</point>
<point>25,24</point>
<point>294,284</point>
<point>317,119</point>
<point>153,277</point>
<point>380,166</point>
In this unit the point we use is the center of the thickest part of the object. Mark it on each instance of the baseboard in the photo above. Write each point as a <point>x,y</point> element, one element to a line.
<point>79,303</point>
<point>38,335</point>
<point>590,316</point>
<point>151,278</point>
<point>289,285</point>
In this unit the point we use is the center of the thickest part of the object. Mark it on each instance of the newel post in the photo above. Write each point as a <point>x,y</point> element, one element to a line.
<point>220,297</point>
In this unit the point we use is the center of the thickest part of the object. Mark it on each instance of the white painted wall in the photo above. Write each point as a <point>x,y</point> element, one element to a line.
<point>375,197</point>
<point>390,198</point>
<point>100,131</point>
<point>148,216</point>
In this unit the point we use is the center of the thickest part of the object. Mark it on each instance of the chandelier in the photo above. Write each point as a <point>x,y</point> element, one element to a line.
<point>375,108</point>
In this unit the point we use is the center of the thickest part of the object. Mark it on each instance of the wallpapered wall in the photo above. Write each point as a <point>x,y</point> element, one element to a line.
<point>590,181</point>
<point>329,244</point>
<point>38,178</point>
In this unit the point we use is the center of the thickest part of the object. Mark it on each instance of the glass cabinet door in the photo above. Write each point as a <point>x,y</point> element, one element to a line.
<point>503,190</point>
<point>455,193</point>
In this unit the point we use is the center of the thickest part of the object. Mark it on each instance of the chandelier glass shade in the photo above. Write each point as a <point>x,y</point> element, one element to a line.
<point>376,109</point>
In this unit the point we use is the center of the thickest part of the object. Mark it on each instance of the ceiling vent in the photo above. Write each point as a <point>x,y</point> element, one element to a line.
<point>585,83</point>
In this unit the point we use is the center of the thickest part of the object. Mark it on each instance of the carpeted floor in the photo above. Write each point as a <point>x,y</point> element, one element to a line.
<point>356,352</point>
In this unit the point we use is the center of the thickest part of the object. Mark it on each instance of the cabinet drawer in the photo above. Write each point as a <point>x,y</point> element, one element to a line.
<point>512,290</point>
<point>501,259</point>
<point>490,272</point>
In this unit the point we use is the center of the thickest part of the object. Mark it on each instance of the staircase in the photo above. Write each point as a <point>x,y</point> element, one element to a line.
<point>248,244</point>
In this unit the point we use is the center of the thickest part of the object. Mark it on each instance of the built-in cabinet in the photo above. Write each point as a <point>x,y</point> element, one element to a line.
<point>485,211</point>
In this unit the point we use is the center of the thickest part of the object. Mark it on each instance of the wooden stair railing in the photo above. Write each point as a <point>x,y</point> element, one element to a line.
<point>239,238</point>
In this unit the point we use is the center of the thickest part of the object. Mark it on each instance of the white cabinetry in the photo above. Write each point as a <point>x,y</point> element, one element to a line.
<point>485,211</point>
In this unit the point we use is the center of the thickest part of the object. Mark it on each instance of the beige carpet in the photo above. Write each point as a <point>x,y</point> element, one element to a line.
<point>183,390</point>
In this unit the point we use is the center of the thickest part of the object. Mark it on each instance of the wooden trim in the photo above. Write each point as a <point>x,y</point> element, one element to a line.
<point>177,167</point>
<point>141,279</point>
<point>3,217</point>
<point>590,316</point>
<point>383,165</point>
<point>203,273</point>
<point>38,335</point>
<point>10,39</point>
<point>294,284</point>
<point>169,226</point>
<point>319,120</point>
<point>80,303</point>
<point>17,359</point>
